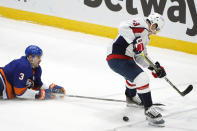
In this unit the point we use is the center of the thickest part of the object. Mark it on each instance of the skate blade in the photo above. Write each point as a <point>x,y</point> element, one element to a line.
<point>156,125</point>
<point>134,105</point>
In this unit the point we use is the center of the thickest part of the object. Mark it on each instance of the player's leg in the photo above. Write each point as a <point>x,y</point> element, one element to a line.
<point>129,70</point>
<point>1,86</point>
<point>137,79</point>
<point>1,89</point>
<point>143,90</point>
<point>131,94</point>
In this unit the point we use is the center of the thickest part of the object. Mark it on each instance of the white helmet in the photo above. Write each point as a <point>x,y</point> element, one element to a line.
<point>156,18</point>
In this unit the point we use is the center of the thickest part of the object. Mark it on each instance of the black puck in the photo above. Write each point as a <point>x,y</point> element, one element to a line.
<point>125,118</point>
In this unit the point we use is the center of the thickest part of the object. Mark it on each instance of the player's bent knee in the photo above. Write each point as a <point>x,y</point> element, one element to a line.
<point>130,85</point>
<point>142,83</point>
<point>141,79</point>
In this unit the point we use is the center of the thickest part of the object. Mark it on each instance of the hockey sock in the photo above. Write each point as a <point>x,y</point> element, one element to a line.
<point>146,99</point>
<point>130,92</point>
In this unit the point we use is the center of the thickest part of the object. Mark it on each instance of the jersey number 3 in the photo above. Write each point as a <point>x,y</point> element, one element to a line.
<point>21,77</point>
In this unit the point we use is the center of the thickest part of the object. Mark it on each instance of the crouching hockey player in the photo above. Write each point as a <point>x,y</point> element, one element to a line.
<point>124,55</point>
<point>21,78</point>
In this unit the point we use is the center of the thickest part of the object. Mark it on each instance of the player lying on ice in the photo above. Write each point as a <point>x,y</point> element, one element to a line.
<point>125,54</point>
<point>21,78</point>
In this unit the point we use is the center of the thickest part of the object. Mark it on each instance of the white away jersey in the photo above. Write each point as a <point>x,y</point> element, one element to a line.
<point>128,31</point>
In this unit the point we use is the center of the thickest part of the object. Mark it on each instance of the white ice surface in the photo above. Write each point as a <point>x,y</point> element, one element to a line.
<point>77,62</point>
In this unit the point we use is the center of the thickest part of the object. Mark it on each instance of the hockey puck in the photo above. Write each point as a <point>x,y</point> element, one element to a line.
<point>125,118</point>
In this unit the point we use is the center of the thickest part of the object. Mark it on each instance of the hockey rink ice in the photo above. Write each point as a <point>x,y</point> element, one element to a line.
<point>77,62</point>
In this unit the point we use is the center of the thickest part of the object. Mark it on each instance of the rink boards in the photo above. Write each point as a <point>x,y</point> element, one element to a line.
<point>187,45</point>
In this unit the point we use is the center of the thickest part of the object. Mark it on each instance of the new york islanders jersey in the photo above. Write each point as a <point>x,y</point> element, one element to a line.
<point>123,44</point>
<point>15,76</point>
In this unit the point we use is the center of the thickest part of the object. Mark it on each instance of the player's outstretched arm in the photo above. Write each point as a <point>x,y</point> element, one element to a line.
<point>50,93</point>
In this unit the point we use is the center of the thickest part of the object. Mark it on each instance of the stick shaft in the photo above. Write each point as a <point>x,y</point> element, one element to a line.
<point>96,98</point>
<point>155,68</point>
<point>173,86</point>
<point>106,99</point>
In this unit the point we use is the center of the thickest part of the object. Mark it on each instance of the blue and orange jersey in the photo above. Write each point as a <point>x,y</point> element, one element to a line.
<point>16,74</point>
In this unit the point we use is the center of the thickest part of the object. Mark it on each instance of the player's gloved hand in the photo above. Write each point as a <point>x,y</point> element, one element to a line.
<point>29,83</point>
<point>51,92</point>
<point>160,72</point>
<point>57,89</point>
<point>138,45</point>
<point>44,94</point>
<point>41,94</point>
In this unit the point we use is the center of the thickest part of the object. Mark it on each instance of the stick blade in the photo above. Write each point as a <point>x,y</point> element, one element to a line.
<point>188,90</point>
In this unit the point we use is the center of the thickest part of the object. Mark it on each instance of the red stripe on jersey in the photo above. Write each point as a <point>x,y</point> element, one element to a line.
<point>115,56</point>
<point>137,30</point>
<point>143,87</point>
<point>129,84</point>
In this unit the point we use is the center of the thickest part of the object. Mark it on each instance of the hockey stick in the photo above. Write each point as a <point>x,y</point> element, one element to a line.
<point>185,92</point>
<point>105,99</point>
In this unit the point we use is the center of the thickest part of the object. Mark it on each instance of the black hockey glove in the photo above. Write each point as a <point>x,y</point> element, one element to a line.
<point>159,72</point>
<point>138,45</point>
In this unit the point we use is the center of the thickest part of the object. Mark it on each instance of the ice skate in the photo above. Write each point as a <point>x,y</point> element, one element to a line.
<point>154,117</point>
<point>133,101</point>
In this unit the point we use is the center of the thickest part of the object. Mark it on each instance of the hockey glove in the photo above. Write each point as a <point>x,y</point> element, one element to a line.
<point>51,92</point>
<point>41,94</point>
<point>57,89</point>
<point>159,72</point>
<point>44,94</point>
<point>138,45</point>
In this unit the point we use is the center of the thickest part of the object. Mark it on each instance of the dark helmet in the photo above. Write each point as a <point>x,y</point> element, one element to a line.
<point>33,50</point>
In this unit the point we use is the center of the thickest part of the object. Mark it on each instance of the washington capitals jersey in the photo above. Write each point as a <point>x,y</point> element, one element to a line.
<point>16,73</point>
<point>123,44</point>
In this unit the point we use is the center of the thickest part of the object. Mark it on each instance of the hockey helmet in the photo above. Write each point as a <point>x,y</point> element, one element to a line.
<point>33,50</point>
<point>156,18</point>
